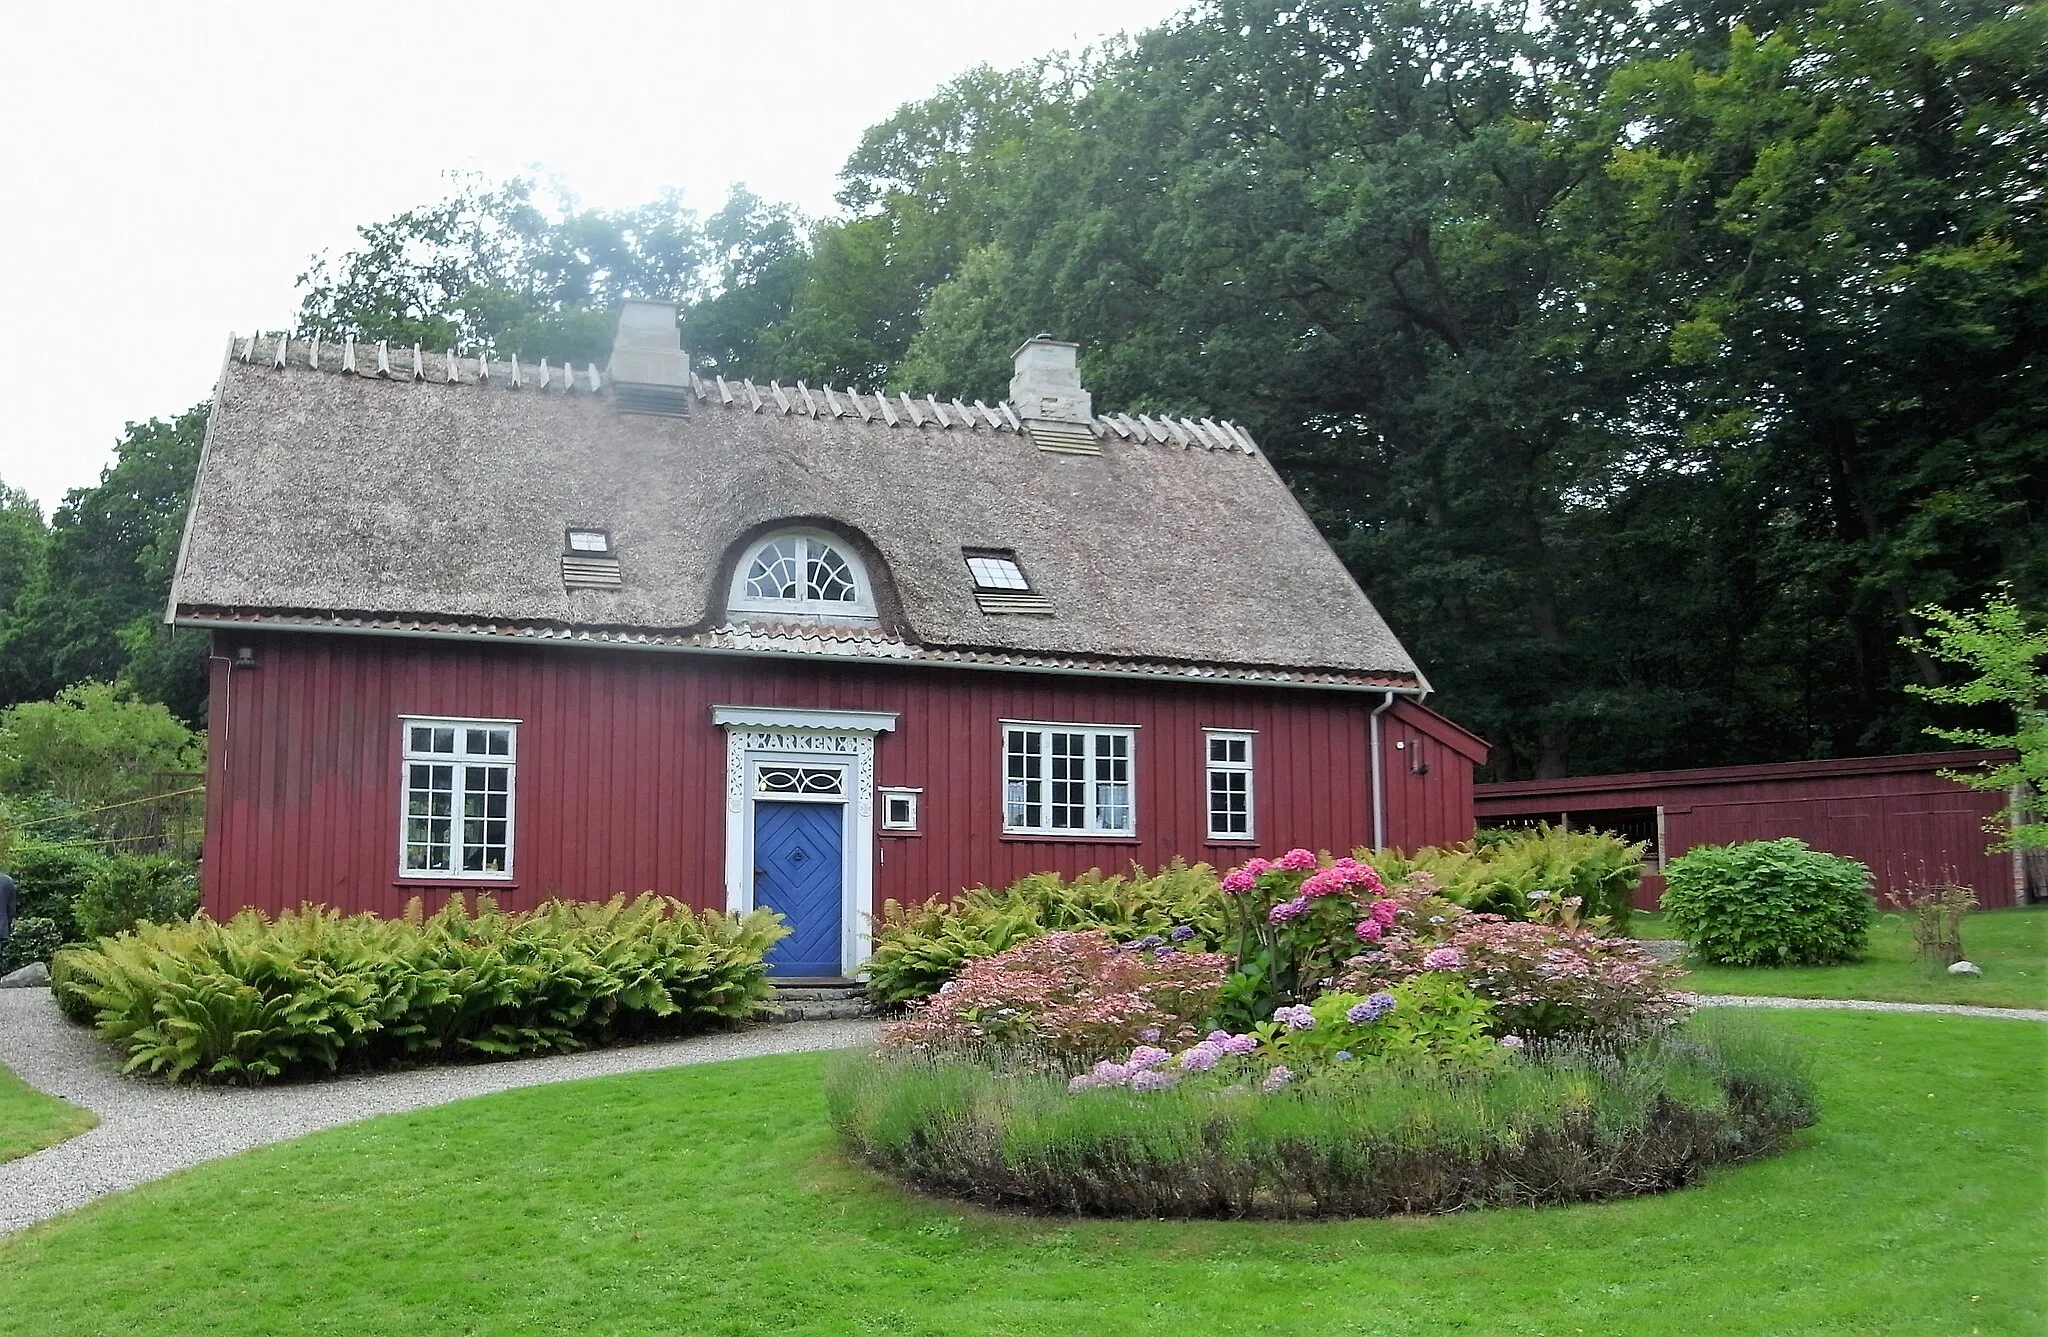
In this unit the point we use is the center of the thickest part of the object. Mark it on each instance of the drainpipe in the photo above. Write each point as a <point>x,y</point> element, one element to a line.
<point>1379,783</point>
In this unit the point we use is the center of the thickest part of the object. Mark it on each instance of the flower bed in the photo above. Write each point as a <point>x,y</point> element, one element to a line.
<point>1232,1133</point>
<point>1364,1049</point>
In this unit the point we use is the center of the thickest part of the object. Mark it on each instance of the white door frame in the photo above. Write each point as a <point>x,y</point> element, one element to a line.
<point>777,736</point>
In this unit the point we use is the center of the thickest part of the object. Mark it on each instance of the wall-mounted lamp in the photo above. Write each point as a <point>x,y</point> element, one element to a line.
<point>245,657</point>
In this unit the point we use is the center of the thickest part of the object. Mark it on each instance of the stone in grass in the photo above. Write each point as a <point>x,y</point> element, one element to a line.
<point>34,975</point>
<point>1959,968</point>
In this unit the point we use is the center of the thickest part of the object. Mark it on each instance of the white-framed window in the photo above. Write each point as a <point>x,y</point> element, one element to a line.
<point>899,807</point>
<point>1230,783</point>
<point>801,572</point>
<point>1068,779</point>
<point>455,819</point>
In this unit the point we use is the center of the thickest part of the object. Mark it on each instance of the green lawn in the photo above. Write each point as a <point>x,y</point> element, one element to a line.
<point>2011,946</point>
<point>711,1201</point>
<point>30,1120</point>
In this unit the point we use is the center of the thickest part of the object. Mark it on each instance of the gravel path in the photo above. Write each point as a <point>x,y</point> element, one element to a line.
<point>149,1129</point>
<point>1864,1005</point>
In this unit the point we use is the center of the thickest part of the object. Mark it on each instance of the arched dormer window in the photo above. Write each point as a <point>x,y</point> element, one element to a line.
<point>804,573</point>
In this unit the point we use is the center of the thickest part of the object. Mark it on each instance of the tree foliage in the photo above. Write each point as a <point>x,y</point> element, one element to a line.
<point>90,604</point>
<point>93,746</point>
<point>2005,650</point>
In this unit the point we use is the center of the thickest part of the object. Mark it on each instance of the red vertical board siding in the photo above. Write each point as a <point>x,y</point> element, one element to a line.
<point>1898,815</point>
<point>621,773</point>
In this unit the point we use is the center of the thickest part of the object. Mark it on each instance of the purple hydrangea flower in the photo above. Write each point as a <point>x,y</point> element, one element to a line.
<point>1296,1018</point>
<point>1443,958</point>
<point>1512,1042</point>
<point>1343,1056</point>
<point>1181,933</point>
<point>1149,1035</point>
<point>1153,1079</point>
<point>1149,940</point>
<point>1286,911</point>
<point>1163,950</point>
<point>1241,1044</point>
<point>1371,1010</point>
<point>1147,1056</point>
<point>1217,1036</point>
<point>1201,1058</point>
<point>1276,1079</point>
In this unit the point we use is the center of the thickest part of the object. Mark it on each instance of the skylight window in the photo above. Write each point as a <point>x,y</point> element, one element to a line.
<point>996,571</point>
<point>590,540</point>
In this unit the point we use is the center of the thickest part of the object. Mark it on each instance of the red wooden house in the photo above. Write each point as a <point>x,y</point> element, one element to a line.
<point>538,631</point>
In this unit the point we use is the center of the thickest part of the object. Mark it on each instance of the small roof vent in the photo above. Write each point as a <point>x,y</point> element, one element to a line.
<point>1000,585</point>
<point>649,371</point>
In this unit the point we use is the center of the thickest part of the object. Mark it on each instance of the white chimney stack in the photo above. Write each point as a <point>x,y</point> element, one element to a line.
<point>649,368</point>
<point>1047,383</point>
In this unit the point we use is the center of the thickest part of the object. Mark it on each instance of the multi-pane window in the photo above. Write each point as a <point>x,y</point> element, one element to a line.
<point>800,573</point>
<point>1230,784</point>
<point>995,570</point>
<point>458,798</point>
<point>1067,779</point>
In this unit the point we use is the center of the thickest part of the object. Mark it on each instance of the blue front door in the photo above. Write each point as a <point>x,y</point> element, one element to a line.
<point>797,866</point>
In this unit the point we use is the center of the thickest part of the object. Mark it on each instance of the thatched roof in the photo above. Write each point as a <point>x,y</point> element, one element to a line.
<point>430,494</point>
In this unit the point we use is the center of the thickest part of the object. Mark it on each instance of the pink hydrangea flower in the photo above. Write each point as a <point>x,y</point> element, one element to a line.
<point>1237,881</point>
<point>1326,883</point>
<point>1383,912</point>
<point>1443,958</point>
<point>1297,861</point>
<point>1369,930</point>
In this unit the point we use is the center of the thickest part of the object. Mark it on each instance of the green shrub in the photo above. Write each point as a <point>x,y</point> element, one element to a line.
<point>1502,871</point>
<point>32,938</point>
<point>1564,1123</point>
<point>1769,903</point>
<point>48,878</point>
<point>257,998</point>
<point>128,889</point>
<point>68,988</point>
<point>919,948</point>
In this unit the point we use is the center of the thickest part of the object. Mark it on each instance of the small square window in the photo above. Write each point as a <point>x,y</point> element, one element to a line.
<point>995,570</point>
<point>899,809</point>
<point>590,540</point>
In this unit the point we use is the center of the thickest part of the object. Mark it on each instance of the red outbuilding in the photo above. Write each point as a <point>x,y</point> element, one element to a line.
<point>536,631</point>
<point>1902,815</point>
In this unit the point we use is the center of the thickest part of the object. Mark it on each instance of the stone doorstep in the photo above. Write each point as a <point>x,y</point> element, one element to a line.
<point>817,1000</point>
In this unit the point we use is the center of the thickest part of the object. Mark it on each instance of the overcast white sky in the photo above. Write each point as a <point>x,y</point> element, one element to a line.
<point>167,169</point>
